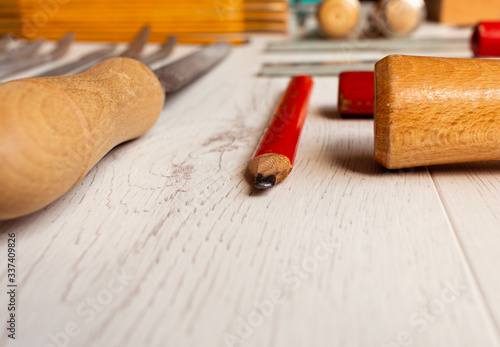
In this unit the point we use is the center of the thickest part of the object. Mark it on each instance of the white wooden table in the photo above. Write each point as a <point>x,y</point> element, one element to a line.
<point>166,243</point>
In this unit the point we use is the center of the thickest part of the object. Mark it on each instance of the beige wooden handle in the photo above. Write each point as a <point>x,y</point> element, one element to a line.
<point>53,130</point>
<point>436,111</point>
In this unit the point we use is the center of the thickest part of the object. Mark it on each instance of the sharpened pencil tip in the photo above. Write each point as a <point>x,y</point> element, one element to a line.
<point>267,182</point>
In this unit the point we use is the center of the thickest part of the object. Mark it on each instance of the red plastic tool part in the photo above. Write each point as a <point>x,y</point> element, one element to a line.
<point>356,93</point>
<point>485,41</point>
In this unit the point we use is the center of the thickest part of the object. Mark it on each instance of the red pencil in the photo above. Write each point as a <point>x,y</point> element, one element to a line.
<point>274,158</point>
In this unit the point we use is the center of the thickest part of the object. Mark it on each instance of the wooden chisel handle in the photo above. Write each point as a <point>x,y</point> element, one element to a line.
<point>436,110</point>
<point>53,130</point>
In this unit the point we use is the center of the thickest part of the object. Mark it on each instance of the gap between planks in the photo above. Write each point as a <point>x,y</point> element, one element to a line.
<point>492,324</point>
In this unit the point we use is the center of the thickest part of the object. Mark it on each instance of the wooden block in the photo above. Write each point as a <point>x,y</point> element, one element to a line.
<point>436,110</point>
<point>486,39</point>
<point>463,12</point>
<point>356,93</point>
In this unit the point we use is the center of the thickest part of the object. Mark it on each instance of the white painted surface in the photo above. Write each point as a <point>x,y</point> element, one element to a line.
<point>168,237</point>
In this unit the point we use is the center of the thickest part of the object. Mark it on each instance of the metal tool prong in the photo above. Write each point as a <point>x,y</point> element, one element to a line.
<point>133,50</point>
<point>60,50</point>
<point>5,41</point>
<point>164,51</point>
<point>22,52</point>
<point>82,62</point>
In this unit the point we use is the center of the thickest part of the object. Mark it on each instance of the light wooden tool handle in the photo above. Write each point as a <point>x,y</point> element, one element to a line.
<point>53,130</point>
<point>436,110</point>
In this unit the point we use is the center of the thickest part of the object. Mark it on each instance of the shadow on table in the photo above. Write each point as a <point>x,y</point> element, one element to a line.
<point>364,163</point>
<point>331,112</point>
<point>480,167</point>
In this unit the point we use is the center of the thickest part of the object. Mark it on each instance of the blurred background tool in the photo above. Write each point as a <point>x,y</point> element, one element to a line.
<point>57,52</point>
<point>337,18</point>
<point>319,68</point>
<point>110,20</point>
<point>23,50</point>
<point>485,39</point>
<point>390,45</point>
<point>163,51</point>
<point>395,18</point>
<point>84,61</point>
<point>132,51</point>
<point>5,40</point>
<point>356,94</point>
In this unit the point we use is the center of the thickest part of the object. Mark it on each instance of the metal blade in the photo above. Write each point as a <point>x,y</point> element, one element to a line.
<point>60,49</point>
<point>25,51</point>
<point>5,40</point>
<point>176,75</point>
<point>315,68</point>
<point>164,51</point>
<point>133,51</point>
<point>369,45</point>
<point>135,48</point>
<point>80,62</point>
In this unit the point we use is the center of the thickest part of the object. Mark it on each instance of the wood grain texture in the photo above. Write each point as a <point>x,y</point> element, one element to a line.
<point>349,254</point>
<point>436,111</point>
<point>270,164</point>
<point>469,194</point>
<point>54,129</point>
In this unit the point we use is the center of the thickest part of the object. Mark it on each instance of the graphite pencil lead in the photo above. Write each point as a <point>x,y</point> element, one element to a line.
<point>265,182</point>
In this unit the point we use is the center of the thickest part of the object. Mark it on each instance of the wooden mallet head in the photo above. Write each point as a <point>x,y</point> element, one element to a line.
<point>436,111</point>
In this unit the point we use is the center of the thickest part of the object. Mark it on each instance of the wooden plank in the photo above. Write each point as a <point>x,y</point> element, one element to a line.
<point>469,192</point>
<point>165,242</point>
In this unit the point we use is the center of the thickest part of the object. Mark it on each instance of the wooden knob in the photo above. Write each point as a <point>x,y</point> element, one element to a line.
<point>398,18</point>
<point>53,130</point>
<point>436,110</point>
<point>338,18</point>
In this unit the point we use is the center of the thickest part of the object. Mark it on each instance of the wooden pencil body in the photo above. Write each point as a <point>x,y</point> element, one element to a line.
<point>436,111</point>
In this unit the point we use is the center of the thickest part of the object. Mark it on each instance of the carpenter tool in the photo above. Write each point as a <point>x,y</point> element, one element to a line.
<point>5,40</point>
<point>395,18</point>
<point>24,51</point>
<point>53,130</point>
<point>485,40</point>
<point>133,51</point>
<point>387,45</point>
<point>60,50</point>
<point>356,97</point>
<point>338,18</point>
<point>164,51</point>
<point>325,68</point>
<point>85,61</point>
<point>436,110</point>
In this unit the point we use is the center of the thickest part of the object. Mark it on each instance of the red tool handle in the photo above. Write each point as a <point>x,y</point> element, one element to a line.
<point>485,41</point>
